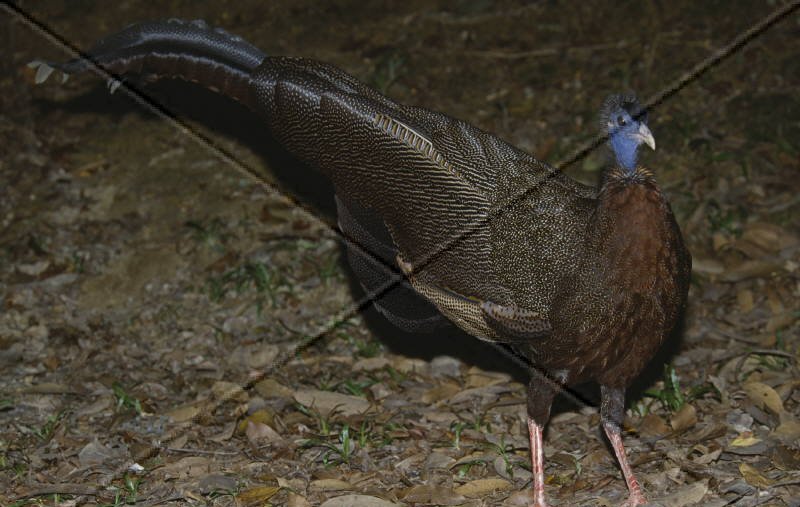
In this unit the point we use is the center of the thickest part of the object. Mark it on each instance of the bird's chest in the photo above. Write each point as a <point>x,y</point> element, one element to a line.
<point>627,294</point>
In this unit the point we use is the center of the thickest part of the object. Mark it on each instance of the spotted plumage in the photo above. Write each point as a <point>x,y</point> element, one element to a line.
<point>585,282</point>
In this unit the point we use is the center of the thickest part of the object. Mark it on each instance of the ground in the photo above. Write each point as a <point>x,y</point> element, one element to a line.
<point>173,332</point>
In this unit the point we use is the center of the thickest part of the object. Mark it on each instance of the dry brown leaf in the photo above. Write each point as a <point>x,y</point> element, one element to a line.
<point>433,495</point>
<point>653,426</point>
<point>745,300</point>
<point>754,477</point>
<point>768,237</point>
<point>258,494</point>
<point>764,396</point>
<point>190,466</point>
<point>707,267</point>
<point>443,391</point>
<point>720,241</point>
<point>487,394</point>
<point>229,391</point>
<point>522,498</point>
<point>184,413</point>
<point>780,321</point>
<point>94,453</point>
<point>751,269</point>
<point>482,487</point>
<point>326,402</point>
<point>785,458</point>
<point>296,500</point>
<point>271,388</point>
<point>684,418</point>
<point>789,429</point>
<point>330,485</point>
<point>745,440</point>
<point>371,364</point>
<point>48,388</point>
<point>409,365</point>
<point>262,416</point>
<point>480,378</point>
<point>687,495</point>
<point>358,501</point>
<point>259,433</point>
<point>707,458</point>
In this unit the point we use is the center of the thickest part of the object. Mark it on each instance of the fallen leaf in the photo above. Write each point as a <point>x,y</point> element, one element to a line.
<point>190,466</point>
<point>259,416</point>
<point>259,494</point>
<point>296,500</point>
<point>482,487</point>
<point>216,482</point>
<point>707,267</point>
<point>764,396</point>
<point>487,394</point>
<point>443,391</point>
<point>358,501</point>
<point>330,485</point>
<point>184,413</point>
<point>480,378</point>
<point>785,458</point>
<point>653,426</point>
<point>94,453</point>
<point>371,364</point>
<point>327,402</point>
<point>687,495</point>
<point>433,495</point>
<point>259,433</point>
<point>745,300</point>
<point>745,440</point>
<point>271,388</point>
<point>229,391</point>
<point>788,431</point>
<point>768,237</point>
<point>708,458</point>
<point>684,418</point>
<point>751,269</point>
<point>754,477</point>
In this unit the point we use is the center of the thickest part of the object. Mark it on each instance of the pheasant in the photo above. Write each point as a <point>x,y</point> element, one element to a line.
<point>584,282</point>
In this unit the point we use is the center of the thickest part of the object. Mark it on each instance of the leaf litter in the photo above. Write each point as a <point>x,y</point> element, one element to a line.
<point>144,284</point>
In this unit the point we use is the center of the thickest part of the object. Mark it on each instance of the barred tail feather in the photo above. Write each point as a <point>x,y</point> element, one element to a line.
<point>188,50</point>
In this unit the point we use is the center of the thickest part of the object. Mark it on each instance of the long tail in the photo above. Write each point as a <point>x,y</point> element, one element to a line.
<point>188,50</point>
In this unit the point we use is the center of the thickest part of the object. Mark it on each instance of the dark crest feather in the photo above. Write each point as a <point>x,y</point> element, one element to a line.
<point>617,101</point>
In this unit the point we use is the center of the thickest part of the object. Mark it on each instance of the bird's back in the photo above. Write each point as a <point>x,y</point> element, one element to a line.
<point>470,213</point>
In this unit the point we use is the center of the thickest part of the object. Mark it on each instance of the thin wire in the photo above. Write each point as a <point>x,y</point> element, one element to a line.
<point>684,80</point>
<point>716,58</point>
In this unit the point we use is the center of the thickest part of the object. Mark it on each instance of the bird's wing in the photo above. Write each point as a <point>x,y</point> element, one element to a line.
<point>428,176</point>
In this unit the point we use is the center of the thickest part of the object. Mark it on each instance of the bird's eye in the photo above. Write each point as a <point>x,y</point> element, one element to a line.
<point>621,121</point>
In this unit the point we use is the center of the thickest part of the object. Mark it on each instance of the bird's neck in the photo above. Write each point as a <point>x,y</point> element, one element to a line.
<point>625,152</point>
<point>631,224</point>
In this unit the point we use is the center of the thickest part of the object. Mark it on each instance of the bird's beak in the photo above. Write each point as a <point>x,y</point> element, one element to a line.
<point>643,135</point>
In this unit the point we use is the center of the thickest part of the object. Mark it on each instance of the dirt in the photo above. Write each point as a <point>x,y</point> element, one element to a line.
<point>175,332</point>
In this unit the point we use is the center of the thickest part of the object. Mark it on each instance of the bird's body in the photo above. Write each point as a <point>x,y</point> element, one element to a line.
<point>585,282</point>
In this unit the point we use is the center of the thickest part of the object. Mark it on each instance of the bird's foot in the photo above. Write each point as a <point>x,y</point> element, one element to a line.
<point>635,499</point>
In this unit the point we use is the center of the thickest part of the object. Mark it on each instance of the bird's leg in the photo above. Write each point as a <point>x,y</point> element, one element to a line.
<point>537,462</point>
<point>612,411</point>
<point>541,391</point>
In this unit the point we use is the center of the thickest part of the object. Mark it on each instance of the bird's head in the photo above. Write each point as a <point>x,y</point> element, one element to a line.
<point>626,126</point>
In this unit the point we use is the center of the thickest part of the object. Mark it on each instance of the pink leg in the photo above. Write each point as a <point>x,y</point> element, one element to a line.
<point>537,463</point>
<point>636,497</point>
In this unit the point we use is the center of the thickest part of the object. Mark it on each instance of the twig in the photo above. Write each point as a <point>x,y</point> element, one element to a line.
<point>203,451</point>
<point>60,489</point>
<point>513,55</point>
<point>762,352</point>
<point>163,500</point>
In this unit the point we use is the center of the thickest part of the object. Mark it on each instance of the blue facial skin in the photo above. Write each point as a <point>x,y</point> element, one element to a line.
<point>625,136</point>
